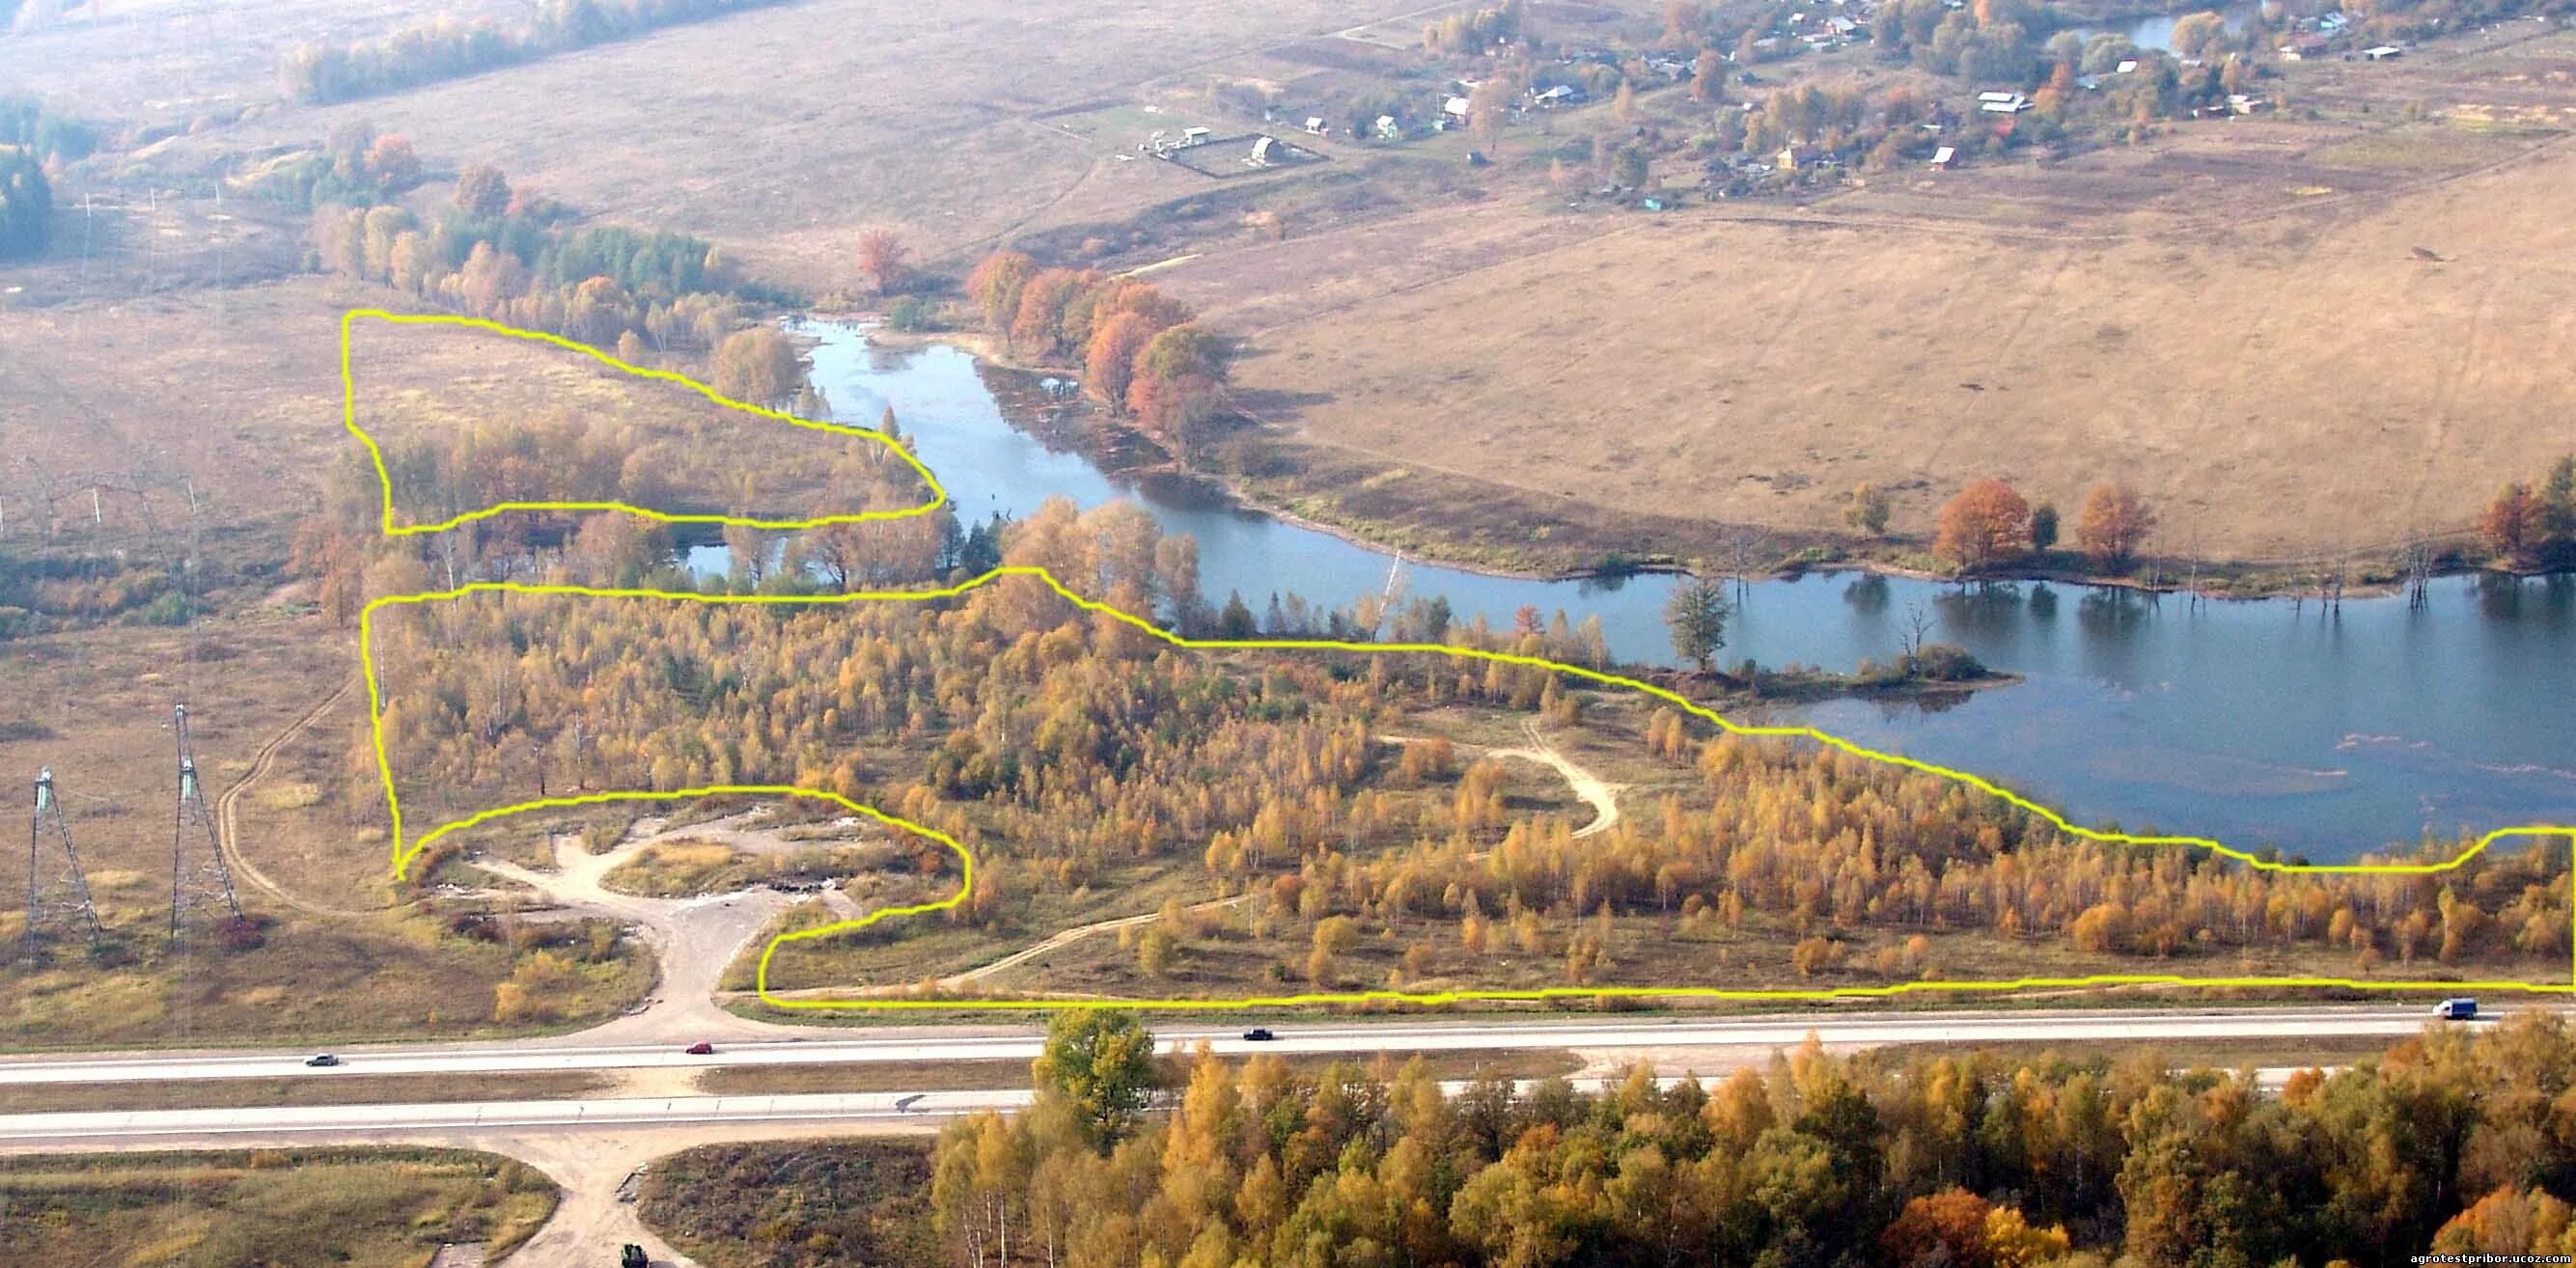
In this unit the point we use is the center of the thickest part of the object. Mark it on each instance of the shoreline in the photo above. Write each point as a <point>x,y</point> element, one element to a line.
<point>1242,495</point>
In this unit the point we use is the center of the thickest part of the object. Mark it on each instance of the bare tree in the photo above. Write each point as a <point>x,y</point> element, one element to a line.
<point>1742,549</point>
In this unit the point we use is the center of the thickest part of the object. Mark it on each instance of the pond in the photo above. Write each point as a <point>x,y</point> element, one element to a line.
<point>2155,30</point>
<point>2256,722</point>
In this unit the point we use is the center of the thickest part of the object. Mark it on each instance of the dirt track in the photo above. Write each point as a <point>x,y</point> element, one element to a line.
<point>693,939</point>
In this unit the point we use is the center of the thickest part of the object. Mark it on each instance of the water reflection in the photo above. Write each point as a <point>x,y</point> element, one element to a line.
<point>1867,594</point>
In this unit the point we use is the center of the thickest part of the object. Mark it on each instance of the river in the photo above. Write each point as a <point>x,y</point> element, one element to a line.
<point>2255,722</point>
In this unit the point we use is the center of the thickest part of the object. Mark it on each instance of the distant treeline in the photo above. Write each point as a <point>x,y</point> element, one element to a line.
<point>32,139</point>
<point>448,48</point>
<point>506,255</point>
<point>49,137</point>
<point>26,205</point>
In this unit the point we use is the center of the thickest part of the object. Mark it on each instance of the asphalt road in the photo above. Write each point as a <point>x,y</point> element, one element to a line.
<point>322,1124</point>
<point>931,1045</point>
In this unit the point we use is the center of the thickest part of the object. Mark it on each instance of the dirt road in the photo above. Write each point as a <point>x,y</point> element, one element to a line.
<point>694,939</point>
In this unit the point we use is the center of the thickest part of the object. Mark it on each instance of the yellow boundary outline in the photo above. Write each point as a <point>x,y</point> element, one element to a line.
<point>385,483</point>
<point>402,855</point>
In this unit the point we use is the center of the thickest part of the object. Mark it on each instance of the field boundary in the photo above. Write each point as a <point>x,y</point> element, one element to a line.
<point>404,853</point>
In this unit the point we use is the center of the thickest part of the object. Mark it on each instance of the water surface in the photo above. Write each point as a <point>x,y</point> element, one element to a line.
<point>2264,721</point>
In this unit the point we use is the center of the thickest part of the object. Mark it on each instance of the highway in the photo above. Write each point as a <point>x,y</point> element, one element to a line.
<point>321,1124</point>
<point>820,1046</point>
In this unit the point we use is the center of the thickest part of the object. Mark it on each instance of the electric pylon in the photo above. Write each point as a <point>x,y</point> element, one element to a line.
<point>67,900</point>
<point>209,879</point>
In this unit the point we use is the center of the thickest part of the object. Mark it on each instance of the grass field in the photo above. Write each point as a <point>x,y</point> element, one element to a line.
<point>383,1089</point>
<point>2234,318</point>
<point>363,1208</point>
<point>735,1206</point>
<point>745,130</point>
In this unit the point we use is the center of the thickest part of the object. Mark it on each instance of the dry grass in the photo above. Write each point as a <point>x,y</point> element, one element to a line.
<point>730,1206</point>
<point>427,385</point>
<point>2216,1054</point>
<point>236,392</point>
<point>743,130</point>
<point>673,868</point>
<point>2272,365</point>
<point>378,1089</point>
<point>363,1208</point>
<point>102,700</point>
<point>974,1076</point>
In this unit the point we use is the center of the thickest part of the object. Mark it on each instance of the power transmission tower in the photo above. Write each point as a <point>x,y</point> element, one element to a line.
<point>209,880</point>
<point>67,900</point>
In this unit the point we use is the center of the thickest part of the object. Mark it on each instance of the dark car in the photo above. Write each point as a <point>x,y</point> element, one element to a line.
<point>633,1257</point>
<point>1259,1034</point>
<point>702,1049</point>
<point>322,1059</point>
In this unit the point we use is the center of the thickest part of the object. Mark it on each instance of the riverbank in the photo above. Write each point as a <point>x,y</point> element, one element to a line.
<point>1443,518</point>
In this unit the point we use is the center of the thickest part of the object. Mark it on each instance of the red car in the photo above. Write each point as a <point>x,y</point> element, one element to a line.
<point>702,1049</point>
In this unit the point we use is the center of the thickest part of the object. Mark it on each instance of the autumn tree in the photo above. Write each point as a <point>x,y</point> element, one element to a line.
<point>2558,501</point>
<point>1985,524</point>
<point>1175,381</point>
<point>994,286</point>
<point>393,163</point>
<point>1696,618</point>
<point>1154,951</point>
<point>481,190</point>
<point>1489,105</point>
<point>2513,524</point>
<point>1865,509</point>
<point>756,365</point>
<point>2111,525</point>
<point>1109,364</point>
<point>1947,1228</point>
<point>883,257</point>
<point>2195,33</point>
<point>1708,77</point>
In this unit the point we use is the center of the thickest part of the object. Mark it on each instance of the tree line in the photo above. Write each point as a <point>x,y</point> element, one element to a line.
<point>26,205</point>
<point>510,255</point>
<point>1827,848</point>
<point>1142,355</point>
<point>1988,524</point>
<point>2454,1141</point>
<point>447,48</point>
